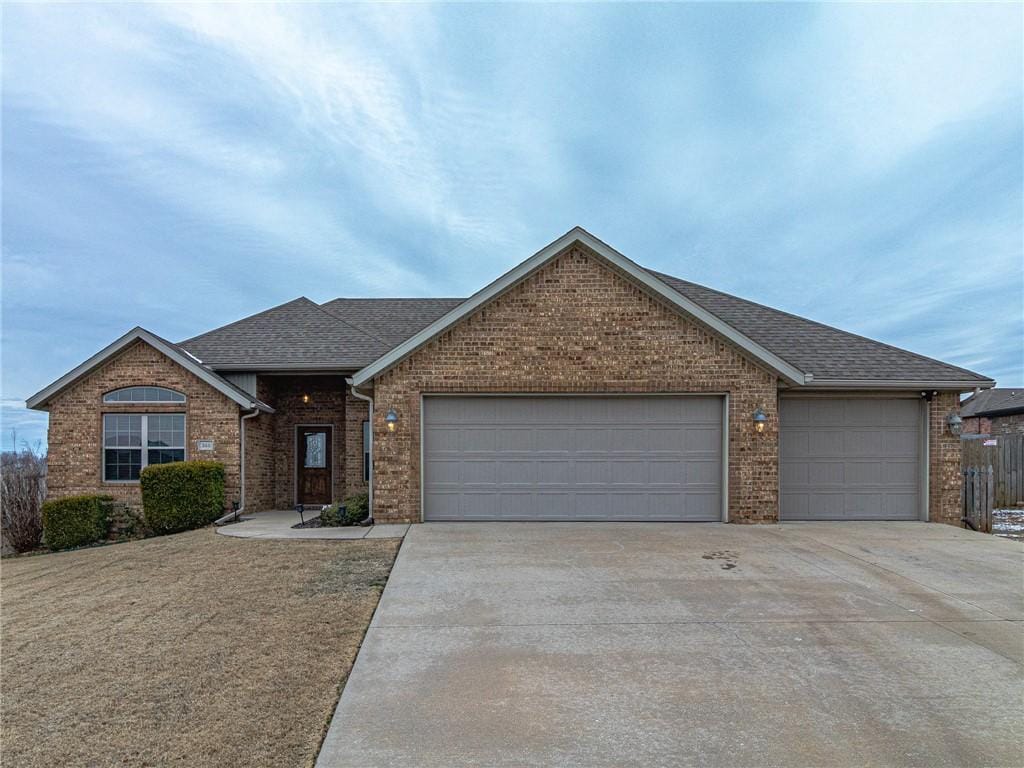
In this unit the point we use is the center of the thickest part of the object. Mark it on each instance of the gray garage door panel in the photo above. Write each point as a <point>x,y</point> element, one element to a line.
<point>850,459</point>
<point>572,458</point>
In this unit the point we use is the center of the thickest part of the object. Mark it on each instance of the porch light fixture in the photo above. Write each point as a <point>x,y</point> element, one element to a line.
<point>305,397</point>
<point>955,423</point>
<point>760,419</point>
<point>391,419</point>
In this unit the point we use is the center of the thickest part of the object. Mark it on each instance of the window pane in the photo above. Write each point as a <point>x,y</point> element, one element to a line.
<point>122,464</point>
<point>316,449</point>
<point>165,455</point>
<point>144,395</point>
<point>122,430</point>
<point>166,430</point>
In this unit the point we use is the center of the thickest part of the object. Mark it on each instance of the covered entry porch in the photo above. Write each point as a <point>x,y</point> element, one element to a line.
<point>311,450</point>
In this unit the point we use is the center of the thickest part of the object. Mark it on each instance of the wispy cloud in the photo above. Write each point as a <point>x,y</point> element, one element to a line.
<point>180,166</point>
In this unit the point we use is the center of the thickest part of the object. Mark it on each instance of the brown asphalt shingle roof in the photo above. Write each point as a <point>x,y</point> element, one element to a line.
<point>824,351</point>
<point>349,334</point>
<point>393,320</point>
<point>299,334</point>
<point>993,401</point>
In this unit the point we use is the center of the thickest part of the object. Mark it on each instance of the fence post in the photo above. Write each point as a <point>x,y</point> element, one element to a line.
<point>963,499</point>
<point>976,483</point>
<point>989,498</point>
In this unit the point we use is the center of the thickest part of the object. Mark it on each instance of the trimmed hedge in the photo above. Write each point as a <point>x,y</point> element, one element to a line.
<point>182,495</point>
<point>350,512</point>
<point>75,521</point>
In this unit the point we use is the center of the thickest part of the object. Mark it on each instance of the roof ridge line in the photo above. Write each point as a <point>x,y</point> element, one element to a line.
<point>243,319</point>
<point>395,298</point>
<point>337,319</point>
<point>815,322</point>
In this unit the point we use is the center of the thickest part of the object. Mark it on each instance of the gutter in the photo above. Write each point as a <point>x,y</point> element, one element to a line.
<point>234,514</point>
<point>959,386</point>
<point>369,399</point>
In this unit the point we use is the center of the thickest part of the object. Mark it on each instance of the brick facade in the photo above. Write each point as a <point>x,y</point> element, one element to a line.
<point>356,412</point>
<point>1010,424</point>
<point>575,326</point>
<point>260,478</point>
<point>75,460</point>
<point>944,476</point>
<point>326,406</point>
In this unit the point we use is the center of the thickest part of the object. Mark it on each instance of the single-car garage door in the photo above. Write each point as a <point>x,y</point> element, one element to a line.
<point>850,459</point>
<point>572,458</point>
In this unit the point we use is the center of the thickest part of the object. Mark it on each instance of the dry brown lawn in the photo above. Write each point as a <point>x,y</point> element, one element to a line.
<point>195,649</point>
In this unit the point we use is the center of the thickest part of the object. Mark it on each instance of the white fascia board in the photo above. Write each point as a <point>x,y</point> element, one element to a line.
<point>922,384</point>
<point>39,400</point>
<point>639,275</point>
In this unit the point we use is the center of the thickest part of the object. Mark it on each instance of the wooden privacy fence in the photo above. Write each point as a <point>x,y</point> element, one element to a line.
<point>1006,457</point>
<point>976,497</point>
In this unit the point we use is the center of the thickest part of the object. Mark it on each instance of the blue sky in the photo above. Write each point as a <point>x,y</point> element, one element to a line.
<point>179,167</point>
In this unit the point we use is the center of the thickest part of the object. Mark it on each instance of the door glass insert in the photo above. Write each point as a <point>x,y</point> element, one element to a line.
<point>316,450</point>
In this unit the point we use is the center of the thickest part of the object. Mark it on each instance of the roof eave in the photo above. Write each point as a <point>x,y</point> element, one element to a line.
<point>853,384</point>
<point>41,399</point>
<point>783,369</point>
<point>283,367</point>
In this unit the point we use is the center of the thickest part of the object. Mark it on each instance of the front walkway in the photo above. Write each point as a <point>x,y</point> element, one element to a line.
<point>278,525</point>
<point>603,644</point>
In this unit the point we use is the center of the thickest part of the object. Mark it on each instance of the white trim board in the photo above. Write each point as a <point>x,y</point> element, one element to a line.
<point>40,399</point>
<point>638,274</point>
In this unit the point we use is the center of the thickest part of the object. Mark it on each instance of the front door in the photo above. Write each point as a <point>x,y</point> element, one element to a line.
<point>313,473</point>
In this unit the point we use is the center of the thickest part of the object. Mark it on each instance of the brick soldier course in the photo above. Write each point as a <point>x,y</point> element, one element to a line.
<point>580,319</point>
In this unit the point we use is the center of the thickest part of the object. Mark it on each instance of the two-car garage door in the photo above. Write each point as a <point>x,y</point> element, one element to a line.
<point>572,457</point>
<point>850,459</point>
<point>660,458</point>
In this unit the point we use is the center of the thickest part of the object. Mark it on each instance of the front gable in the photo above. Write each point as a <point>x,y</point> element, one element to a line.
<point>577,325</point>
<point>612,260</point>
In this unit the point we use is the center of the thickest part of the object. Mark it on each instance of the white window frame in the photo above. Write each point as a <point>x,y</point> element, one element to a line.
<point>144,447</point>
<point>144,402</point>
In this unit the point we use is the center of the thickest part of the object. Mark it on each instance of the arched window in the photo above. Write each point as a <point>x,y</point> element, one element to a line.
<point>144,395</point>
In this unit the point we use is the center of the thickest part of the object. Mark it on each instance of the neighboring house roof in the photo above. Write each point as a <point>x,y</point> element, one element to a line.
<point>182,357</point>
<point>297,335</point>
<point>993,402</point>
<point>393,320</point>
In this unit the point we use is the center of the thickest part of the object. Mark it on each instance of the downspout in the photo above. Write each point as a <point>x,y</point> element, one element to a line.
<point>369,493</point>
<point>234,514</point>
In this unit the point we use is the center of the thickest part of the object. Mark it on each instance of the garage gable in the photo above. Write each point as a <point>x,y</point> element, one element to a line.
<point>578,240</point>
<point>577,325</point>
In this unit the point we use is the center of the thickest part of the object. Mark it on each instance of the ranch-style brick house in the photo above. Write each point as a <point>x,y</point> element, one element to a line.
<point>578,386</point>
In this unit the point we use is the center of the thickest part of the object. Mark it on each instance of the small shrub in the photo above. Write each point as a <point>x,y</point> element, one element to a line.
<point>357,507</point>
<point>350,512</point>
<point>331,515</point>
<point>126,522</point>
<point>75,521</point>
<point>182,495</point>
<point>22,490</point>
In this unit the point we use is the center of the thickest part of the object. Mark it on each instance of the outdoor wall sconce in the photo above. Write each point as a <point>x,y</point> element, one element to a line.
<point>391,419</point>
<point>305,397</point>
<point>760,419</point>
<point>955,423</point>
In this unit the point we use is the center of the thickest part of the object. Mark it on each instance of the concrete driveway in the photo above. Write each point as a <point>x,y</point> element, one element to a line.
<point>599,644</point>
